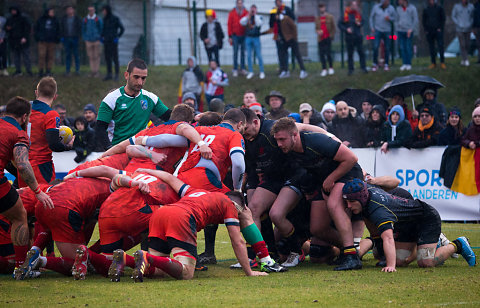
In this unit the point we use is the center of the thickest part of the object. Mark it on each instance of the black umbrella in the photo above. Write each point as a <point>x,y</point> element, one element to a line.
<point>355,98</point>
<point>409,85</point>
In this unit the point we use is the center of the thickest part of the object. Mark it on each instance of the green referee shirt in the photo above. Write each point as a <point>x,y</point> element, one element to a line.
<point>128,115</point>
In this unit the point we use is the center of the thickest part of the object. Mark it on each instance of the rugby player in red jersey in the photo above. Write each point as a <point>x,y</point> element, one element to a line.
<point>44,133</point>
<point>14,145</point>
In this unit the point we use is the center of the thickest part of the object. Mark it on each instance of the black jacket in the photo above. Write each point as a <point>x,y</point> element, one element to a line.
<point>218,33</point>
<point>356,29</point>
<point>77,27</point>
<point>433,18</point>
<point>439,111</point>
<point>47,29</point>
<point>426,138</point>
<point>402,136</point>
<point>373,133</point>
<point>112,28</point>
<point>84,143</point>
<point>448,136</point>
<point>348,129</point>
<point>476,15</point>
<point>17,27</point>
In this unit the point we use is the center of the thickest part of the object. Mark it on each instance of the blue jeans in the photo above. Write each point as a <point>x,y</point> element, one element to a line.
<point>238,41</point>
<point>376,44</point>
<point>71,47</point>
<point>253,42</point>
<point>405,45</point>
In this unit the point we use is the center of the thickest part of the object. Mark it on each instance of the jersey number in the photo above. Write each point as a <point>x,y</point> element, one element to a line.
<point>208,140</point>
<point>197,194</point>
<point>147,179</point>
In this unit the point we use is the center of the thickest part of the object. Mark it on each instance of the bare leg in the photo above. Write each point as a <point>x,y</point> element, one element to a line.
<point>260,201</point>
<point>285,202</point>
<point>336,208</point>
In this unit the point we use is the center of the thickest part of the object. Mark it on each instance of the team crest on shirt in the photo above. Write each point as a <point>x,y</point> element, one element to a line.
<point>243,145</point>
<point>57,122</point>
<point>144,104</point>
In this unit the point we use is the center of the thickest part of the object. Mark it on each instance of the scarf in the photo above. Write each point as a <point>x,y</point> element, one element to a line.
<point>348,11</point>
<point>422,127</point>
<point>394,132</point>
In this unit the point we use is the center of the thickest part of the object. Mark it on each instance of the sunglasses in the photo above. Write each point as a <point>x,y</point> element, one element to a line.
<point>425,115</point>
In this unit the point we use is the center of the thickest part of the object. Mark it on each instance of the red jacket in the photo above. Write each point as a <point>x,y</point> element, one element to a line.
<point>234,27</point>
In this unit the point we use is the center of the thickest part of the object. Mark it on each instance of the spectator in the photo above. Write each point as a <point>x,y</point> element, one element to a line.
<point>476,27</point>
<point>211,34</point>
<point>92,27</point>
<point>427,132</point>
<point>325,26</point>
<point>84,142</point>
<point>253,22</point>
<point>433,20</point>
<point>309,115</point>
<point>216,81</point>
<point>192,77</point>
<point>250,98</point>
<point>407,23</point>
<point>295,116</point>
<point>112,31</point>
<point>381,18</point>
<point>347,126</point>
<point>90,114</point>
<point>47,34</point>
<point>18,29</point>
<point>452,134</point>
<point>287,38</point>
<point>236,35</point>
<point>71,26</point>
<point>412,117</point>
<point>190,99</point>
<point>374,126</point>
<point>328,113</point>
<point>3,47</point>
<point>430,101</point>
<point>366,109</point>
<point>351,23</point>
<point>471,139</point>
<point>218,106</point>
<point>64,119</point>
<point>276,101</point>
<point>462,16</point>
<point>396,131</point>
<point>257,108</point>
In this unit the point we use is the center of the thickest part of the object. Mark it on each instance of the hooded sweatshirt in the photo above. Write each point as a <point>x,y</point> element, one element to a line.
<point>47,29</point>
<point>327,106</point>
<point>407,18</point>
<point>462,16</point>
<point>192,77</point>
<point>373,130</point>
<point>396,135</point>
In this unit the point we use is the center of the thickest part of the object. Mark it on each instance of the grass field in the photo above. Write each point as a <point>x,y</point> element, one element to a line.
<point>75,92</point>
<point>453,284</point>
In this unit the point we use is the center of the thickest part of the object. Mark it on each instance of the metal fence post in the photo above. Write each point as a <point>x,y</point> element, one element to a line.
<point>293,54</point>
<point>179,51</point>
<point>342,43</point>
<point>144,42</point>
<point>194,10</point>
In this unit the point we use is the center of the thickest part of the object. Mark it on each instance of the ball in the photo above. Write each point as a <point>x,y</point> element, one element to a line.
<point>66,134</point>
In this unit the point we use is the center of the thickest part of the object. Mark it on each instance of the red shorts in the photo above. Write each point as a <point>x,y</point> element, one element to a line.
<point>44,173</point>
<point>66,225</point>
<point>173,222</point>
<point>113,229</point>
<point>203,178</point>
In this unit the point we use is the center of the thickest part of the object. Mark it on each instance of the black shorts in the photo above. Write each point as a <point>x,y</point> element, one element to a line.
<point>9,200</point>
<point>166,246</point>
<point>354,173</point>
<point>274,185</point>
<point>425,232</point>
<point>6,250</point>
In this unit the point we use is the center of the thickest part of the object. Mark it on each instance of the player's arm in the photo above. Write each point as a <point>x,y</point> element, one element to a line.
<point>20,156</point>
<point>94,172</point>
<point>105,115</point>
<point>238,169</point>
<point>168,178</point>
<point>162,141</point>
<point>191,134</point>
<point>54,143</point>
<point>386,182</point>
<point>389,250</point>
<point>316,129</point>
<point>122,180</point>
<point>117,149</point>
<point>238,245</point>
<point>347,160</point>
<point>140,151</point>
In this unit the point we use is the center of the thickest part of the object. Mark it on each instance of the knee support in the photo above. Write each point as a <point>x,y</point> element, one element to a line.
<point>426,253</point>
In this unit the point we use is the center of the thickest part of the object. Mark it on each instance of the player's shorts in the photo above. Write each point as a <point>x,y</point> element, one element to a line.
<point>5,237</point>
<point>203,178</point>
<point>170,227</point>
<point>424,232</point>
<point>354,173</point>
<point>7,251</point>
<point>8,196</point>
<point>65,225</point>
<point>113,229</point>
<point>44,173</point>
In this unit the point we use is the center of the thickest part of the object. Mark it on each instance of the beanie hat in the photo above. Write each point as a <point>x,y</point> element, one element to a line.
<point>90,107</point>
<point>455,111</point>
<point>356,189</point>
<point>328,106</point>
<point>189,95</point>
<point>211,12</point>
<point>427,110</point>
<point>255,107</point>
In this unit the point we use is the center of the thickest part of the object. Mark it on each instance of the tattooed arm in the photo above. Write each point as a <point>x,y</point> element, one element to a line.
<point>20,156</point>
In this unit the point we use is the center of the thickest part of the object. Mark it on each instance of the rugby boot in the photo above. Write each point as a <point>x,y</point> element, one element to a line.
<point>275,267</point>
<point>349,262</point>
<point>141,265</point>
<point>31,263</point>
<point>79,268</point>
<point>205,258</point>
<point>294,259</point>
<point>444,241</point>
<point>253,264</point>
<point>116,269</point>
<point>466,251</point>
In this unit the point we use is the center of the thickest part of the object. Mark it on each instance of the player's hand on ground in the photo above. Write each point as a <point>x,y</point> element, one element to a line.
<point>389,269</point>
<point>256,273</point>
<point>158,158</point>
<point>205,151</point>
<point>45,200</point>
<point>143,187</point>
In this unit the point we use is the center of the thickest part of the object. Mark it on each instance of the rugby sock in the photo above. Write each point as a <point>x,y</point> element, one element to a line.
<point>60,265</point>
<point>253,236</point>
<point>168,265</point>
<point>42,237</point>
<point>210,234</point>
<point>458,246</point>
<point>99,262</point>
<point>251,253</point>
<point>50,249</point>
<point>268,235</point>
<point>20,254</point>
<point>349,250</point>
<point>131,241</point>
<point>96,247</point>
<point>356,242</point>
<point>292,241</point>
